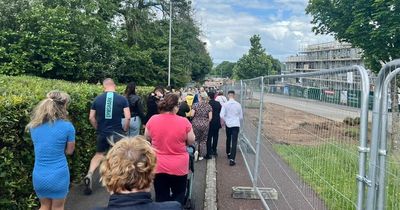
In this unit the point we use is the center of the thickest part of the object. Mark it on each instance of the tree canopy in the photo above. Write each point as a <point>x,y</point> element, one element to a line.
<point>224,69</point>
<point>89,40</point>
<point>256,63</point>
<point>372,26</point>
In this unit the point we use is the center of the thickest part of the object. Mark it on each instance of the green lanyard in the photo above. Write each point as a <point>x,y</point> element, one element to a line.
<point>109,105</point>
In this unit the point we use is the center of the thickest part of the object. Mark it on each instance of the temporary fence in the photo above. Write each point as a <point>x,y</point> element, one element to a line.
<point>384,166</point>
<point>307,136</point>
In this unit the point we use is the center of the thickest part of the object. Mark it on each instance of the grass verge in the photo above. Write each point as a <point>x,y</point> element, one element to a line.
<point>330,170</point>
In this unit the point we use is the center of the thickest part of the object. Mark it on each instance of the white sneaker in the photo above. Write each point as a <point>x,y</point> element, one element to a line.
<point>201,158</point>
<point>196,156</point>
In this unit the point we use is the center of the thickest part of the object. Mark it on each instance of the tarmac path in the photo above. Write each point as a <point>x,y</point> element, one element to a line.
<point>78,201</point>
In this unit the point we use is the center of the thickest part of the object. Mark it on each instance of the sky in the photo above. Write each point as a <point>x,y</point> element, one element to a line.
<point>227,26</point>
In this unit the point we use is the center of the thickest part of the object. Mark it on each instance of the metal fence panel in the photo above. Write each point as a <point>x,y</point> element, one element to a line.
<point>384,167</point>
<point>250,124</point>
<point>306,136</point>
<point>312,132</point>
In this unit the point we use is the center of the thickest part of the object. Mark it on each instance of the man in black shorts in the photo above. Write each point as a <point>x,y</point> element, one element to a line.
<point>105,116</point>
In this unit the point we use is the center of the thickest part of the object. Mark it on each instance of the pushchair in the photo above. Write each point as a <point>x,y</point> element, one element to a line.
<point>189,204</point>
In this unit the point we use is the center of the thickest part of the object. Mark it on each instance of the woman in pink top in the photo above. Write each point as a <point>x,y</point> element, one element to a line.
<point>169,135</point>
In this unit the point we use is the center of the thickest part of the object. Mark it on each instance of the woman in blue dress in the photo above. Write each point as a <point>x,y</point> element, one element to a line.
<point>53,136</point>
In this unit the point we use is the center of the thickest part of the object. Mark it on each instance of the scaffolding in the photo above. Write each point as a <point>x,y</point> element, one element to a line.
<point>323,56</point>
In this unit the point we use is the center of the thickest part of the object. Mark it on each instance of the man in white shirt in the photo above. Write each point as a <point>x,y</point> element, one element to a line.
<point>231,115</point>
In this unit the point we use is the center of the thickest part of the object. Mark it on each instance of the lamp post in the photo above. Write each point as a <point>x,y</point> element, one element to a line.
<point>169,48</point>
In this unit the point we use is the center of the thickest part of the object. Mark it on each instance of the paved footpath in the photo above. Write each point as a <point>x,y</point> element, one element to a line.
<point>230,176</point>
<point>227,177</point>
<point>274,172</point>
<point>78,201</point>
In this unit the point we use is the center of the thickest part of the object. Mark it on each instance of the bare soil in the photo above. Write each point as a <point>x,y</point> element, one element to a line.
<point>290,126</point>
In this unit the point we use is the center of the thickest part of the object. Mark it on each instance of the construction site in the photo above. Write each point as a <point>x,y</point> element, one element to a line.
<point>330,55</point>
<point>324,56</point>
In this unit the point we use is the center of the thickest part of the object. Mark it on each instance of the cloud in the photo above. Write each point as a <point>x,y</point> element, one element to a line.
<point>227,43</point>
<point>227,25</point>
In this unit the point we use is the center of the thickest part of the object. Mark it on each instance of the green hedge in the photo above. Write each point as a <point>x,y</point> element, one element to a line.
<point>18,96</point>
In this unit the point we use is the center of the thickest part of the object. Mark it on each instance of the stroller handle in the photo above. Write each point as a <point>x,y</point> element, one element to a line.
<point>191,149</point>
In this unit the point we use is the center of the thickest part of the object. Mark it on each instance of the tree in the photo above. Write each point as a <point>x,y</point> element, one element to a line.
<point>224,69</point>
<point>256,62</point>
<point>9,11</point>
<point>93,39</point>
<point>369,25</point>
<point>57,42</point>
<point>372,26</point>
<point>276,65</point>
<point>142,28</point>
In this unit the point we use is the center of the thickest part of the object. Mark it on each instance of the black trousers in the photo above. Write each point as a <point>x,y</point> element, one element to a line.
<point>165,184</point>
<point>212,140</point>
<point>231,141</point>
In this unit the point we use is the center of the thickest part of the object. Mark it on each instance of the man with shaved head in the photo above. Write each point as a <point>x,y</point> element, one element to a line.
<point>106,114</point>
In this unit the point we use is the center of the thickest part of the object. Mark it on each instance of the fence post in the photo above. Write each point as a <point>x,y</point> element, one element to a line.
<point>241,103</point>
<point>260,123</point>
<point>376,128</point>
<point>363,148</point>
<point>376,131</point>
<point>383,141</point>
<point>244,105</point>
<point>241,91</point>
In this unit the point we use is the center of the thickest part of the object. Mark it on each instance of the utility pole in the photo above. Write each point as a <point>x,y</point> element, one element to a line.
<point>169,48</point>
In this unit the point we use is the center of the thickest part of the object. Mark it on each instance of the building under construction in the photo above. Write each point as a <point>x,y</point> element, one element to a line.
<point>324,56</point>
<point>318,57</point>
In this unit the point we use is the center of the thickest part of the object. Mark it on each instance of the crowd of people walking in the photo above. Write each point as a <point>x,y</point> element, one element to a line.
<point>129,162</point>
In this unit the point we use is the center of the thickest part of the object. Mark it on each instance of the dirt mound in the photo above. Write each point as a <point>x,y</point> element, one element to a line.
<point>289,126</point>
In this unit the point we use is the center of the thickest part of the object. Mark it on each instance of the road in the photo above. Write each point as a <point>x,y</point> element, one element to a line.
<point>335,112</point>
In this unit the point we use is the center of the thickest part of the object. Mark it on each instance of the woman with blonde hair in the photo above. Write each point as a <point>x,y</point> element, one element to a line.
<point>53,136</point>
<point>127,172</point>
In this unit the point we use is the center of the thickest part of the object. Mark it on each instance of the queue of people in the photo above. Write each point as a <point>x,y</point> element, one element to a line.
<point>128,162</point>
